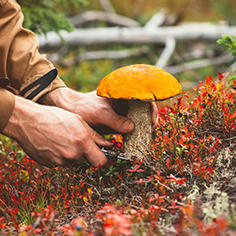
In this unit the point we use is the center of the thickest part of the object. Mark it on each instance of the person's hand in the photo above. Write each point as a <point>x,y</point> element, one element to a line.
<point>53,136</point>
<point>93,109</point>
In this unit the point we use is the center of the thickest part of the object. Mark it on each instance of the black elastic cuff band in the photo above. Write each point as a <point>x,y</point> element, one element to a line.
<point>43,82</point>
<point>4,82</point>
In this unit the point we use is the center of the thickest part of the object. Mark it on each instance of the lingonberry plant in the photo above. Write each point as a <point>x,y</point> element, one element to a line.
<point>163,194</point>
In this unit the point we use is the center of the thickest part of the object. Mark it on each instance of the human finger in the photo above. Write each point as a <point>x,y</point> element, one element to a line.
<point>154,115</point>
<point>118,123</point>
<point>98,139</point>
<point>94,155</point>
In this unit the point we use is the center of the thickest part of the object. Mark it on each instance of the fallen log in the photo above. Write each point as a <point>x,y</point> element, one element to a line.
<point>135,35</point>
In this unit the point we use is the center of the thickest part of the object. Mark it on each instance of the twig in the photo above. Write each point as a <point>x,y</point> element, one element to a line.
<point>4,212</point>
<point>108,17</point>
<point>106,5</point>
<point>199,64</point>
<point>228,138</point>
<point>157,19</point>
<point>167,53</point>
<point>51,224</point>
<point>174,19</point>
<point>35,225</point>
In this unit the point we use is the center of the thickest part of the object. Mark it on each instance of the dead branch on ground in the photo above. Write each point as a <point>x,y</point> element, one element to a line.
<point>167,53</point>
<point>135,35</point>
<point>156,32</point>
<point>107,5</point>
<point>112,18</point>
<point>157,19</point>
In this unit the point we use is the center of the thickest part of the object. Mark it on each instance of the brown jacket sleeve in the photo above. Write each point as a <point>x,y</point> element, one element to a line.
<point>7,102</point>
<point>20,61</point>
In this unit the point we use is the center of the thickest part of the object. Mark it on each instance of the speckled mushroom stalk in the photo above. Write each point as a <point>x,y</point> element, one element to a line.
<point>137,84</point>
<point>138,142</point>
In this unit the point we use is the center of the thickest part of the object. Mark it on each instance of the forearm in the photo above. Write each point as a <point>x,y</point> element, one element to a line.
<point>50,135</point>
<point>23,112</point>
<point>63,97</point>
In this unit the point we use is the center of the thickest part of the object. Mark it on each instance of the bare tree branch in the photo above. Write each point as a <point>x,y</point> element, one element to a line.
<point>167,53</point>
<point>200,64</point>
<point>199,31</point>
<point>95,55</point>
<point>157,19</point>
<point>107,6</point>
<point>174,19</point>
<point>102,16</point>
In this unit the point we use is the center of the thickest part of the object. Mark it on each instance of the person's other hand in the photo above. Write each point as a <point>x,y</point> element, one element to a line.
<point>53,136</point>
<point>95,110</point>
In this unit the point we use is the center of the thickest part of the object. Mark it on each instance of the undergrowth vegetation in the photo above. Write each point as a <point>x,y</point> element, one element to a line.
<point>186,188</point>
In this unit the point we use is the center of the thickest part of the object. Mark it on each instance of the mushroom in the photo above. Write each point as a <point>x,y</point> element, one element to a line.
<point>140,84</point>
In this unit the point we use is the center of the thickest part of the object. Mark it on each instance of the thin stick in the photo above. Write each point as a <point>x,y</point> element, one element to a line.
<point>107,5</point>
<point>167,53</point>
<point>108,17</point>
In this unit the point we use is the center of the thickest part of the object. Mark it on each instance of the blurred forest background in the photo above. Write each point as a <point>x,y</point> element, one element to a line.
<point>192,10</point>
<point>83,71</point>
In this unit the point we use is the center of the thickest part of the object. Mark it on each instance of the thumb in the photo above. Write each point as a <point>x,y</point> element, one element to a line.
<point>118,123</point>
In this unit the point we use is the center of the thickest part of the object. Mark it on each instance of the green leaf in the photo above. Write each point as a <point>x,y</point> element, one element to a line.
<point>229,43</point>
<point>42,16</point>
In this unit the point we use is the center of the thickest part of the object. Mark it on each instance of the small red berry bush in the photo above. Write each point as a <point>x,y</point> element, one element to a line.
<point>186,188</point>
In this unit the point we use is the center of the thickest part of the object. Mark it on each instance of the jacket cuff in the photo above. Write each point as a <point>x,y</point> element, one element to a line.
<point>40,85</point>
<point>7,104</point>
<point>56,83</point>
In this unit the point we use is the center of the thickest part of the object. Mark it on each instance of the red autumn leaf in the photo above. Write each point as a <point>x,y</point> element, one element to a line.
<point>141,181</point>
<point>136,169</point>
<point>185,94</point>
<point>209,80</point>
<point>220,75</point>
<point>233,115</point>
<point>176,180</point>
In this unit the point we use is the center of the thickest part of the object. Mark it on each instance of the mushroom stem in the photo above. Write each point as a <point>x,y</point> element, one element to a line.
<point>138,142</point>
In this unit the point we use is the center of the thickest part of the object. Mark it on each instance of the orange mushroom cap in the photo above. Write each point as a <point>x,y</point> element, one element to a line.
<point>139,82</point>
